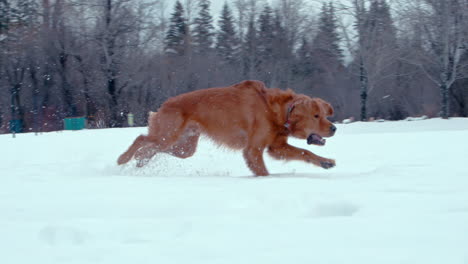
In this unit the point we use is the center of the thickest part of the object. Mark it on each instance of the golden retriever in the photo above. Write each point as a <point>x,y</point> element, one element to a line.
<point>245,116</point>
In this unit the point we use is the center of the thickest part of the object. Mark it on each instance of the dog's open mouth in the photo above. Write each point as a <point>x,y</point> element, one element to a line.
<point>316,140</point>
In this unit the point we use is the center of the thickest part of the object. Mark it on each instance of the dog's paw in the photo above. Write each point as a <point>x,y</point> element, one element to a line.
<point>142,162</point>
<point>327,164</point>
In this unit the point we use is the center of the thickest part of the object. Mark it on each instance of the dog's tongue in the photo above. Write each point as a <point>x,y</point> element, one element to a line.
<point>316,140</point>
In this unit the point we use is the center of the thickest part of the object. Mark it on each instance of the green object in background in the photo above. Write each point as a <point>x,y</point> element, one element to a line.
<point>130,119</point>
<point>74,123</point>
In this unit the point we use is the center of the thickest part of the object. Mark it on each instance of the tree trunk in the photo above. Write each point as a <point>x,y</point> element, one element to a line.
<point>363,81</point>
<point>17,112</point>
<point>69,106</point>
<point>88,110</point>
<point>113,103</point>
<point>35,96</point>
<point>115,115</point>
<point>445,102</point>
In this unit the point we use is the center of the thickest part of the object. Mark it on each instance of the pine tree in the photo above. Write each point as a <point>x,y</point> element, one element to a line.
<point>377,49</point>
<point>176,36</point>
<point>387,28</point>
<point>327,41</point>
<point>304,65</point>
<point>249,53</point>
<point>20,13</point>
<point>203,29</point>
<point>266,35</point>
<point>283,54</point>
<point>379,30</point>
<point>5,17</point>
<point>227,42</point>
<point>280,41</point>
<point>25,11</point>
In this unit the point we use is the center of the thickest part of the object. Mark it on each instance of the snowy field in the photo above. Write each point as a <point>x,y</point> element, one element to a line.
<point>399,194</point>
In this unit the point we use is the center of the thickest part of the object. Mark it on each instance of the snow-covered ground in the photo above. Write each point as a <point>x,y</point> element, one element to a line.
<point>399,194</point>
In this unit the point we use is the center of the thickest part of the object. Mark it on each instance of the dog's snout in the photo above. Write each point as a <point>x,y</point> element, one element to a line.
<point>332,129</point>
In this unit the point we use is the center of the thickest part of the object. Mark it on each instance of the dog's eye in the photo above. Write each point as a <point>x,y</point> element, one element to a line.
<point>316,116</point>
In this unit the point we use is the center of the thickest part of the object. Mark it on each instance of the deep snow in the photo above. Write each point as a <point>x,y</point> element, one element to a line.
<point>399,194</point>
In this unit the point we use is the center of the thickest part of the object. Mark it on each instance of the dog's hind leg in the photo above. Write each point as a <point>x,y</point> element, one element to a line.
<point>254,158</point>
<point>144,154</point>
<point>165,130</point>
<point>186,146</point>
<point>139,142</point>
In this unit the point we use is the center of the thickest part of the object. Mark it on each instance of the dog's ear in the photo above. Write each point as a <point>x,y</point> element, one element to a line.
<point>328,109</point>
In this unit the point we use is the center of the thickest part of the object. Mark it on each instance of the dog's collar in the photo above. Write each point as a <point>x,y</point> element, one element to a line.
<point>287,124</point>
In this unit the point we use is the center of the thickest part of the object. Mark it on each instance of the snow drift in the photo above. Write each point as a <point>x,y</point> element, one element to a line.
<point>399,194</point>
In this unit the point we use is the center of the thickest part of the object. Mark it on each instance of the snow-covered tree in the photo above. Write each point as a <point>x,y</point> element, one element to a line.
<point>226,39</point>
<point>249,51</point>
<point>326,43</point>
<point>266,35</point>
<point>176,37</point>
<point>203,31</point>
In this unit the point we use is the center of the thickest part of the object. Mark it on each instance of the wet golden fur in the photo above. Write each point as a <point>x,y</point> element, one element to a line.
<point>245,116</point>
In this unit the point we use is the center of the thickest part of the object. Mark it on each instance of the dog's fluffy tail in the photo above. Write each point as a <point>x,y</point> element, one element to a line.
<point>151,118</point>
<point>151,113</point>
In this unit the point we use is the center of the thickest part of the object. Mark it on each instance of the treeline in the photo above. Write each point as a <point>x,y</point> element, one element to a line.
<point>104,59</point>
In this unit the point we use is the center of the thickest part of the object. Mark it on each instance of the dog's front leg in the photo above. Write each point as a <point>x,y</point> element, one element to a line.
<point>254,158</point>
<point>288,152</point>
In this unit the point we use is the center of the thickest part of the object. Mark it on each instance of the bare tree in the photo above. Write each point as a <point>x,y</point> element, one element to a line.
<point>118,32</point>
<point>373,44</point>
<point>105,58</point>
<point>444,29</point>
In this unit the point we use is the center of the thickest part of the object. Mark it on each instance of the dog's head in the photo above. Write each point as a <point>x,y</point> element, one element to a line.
<point>308,120</point>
